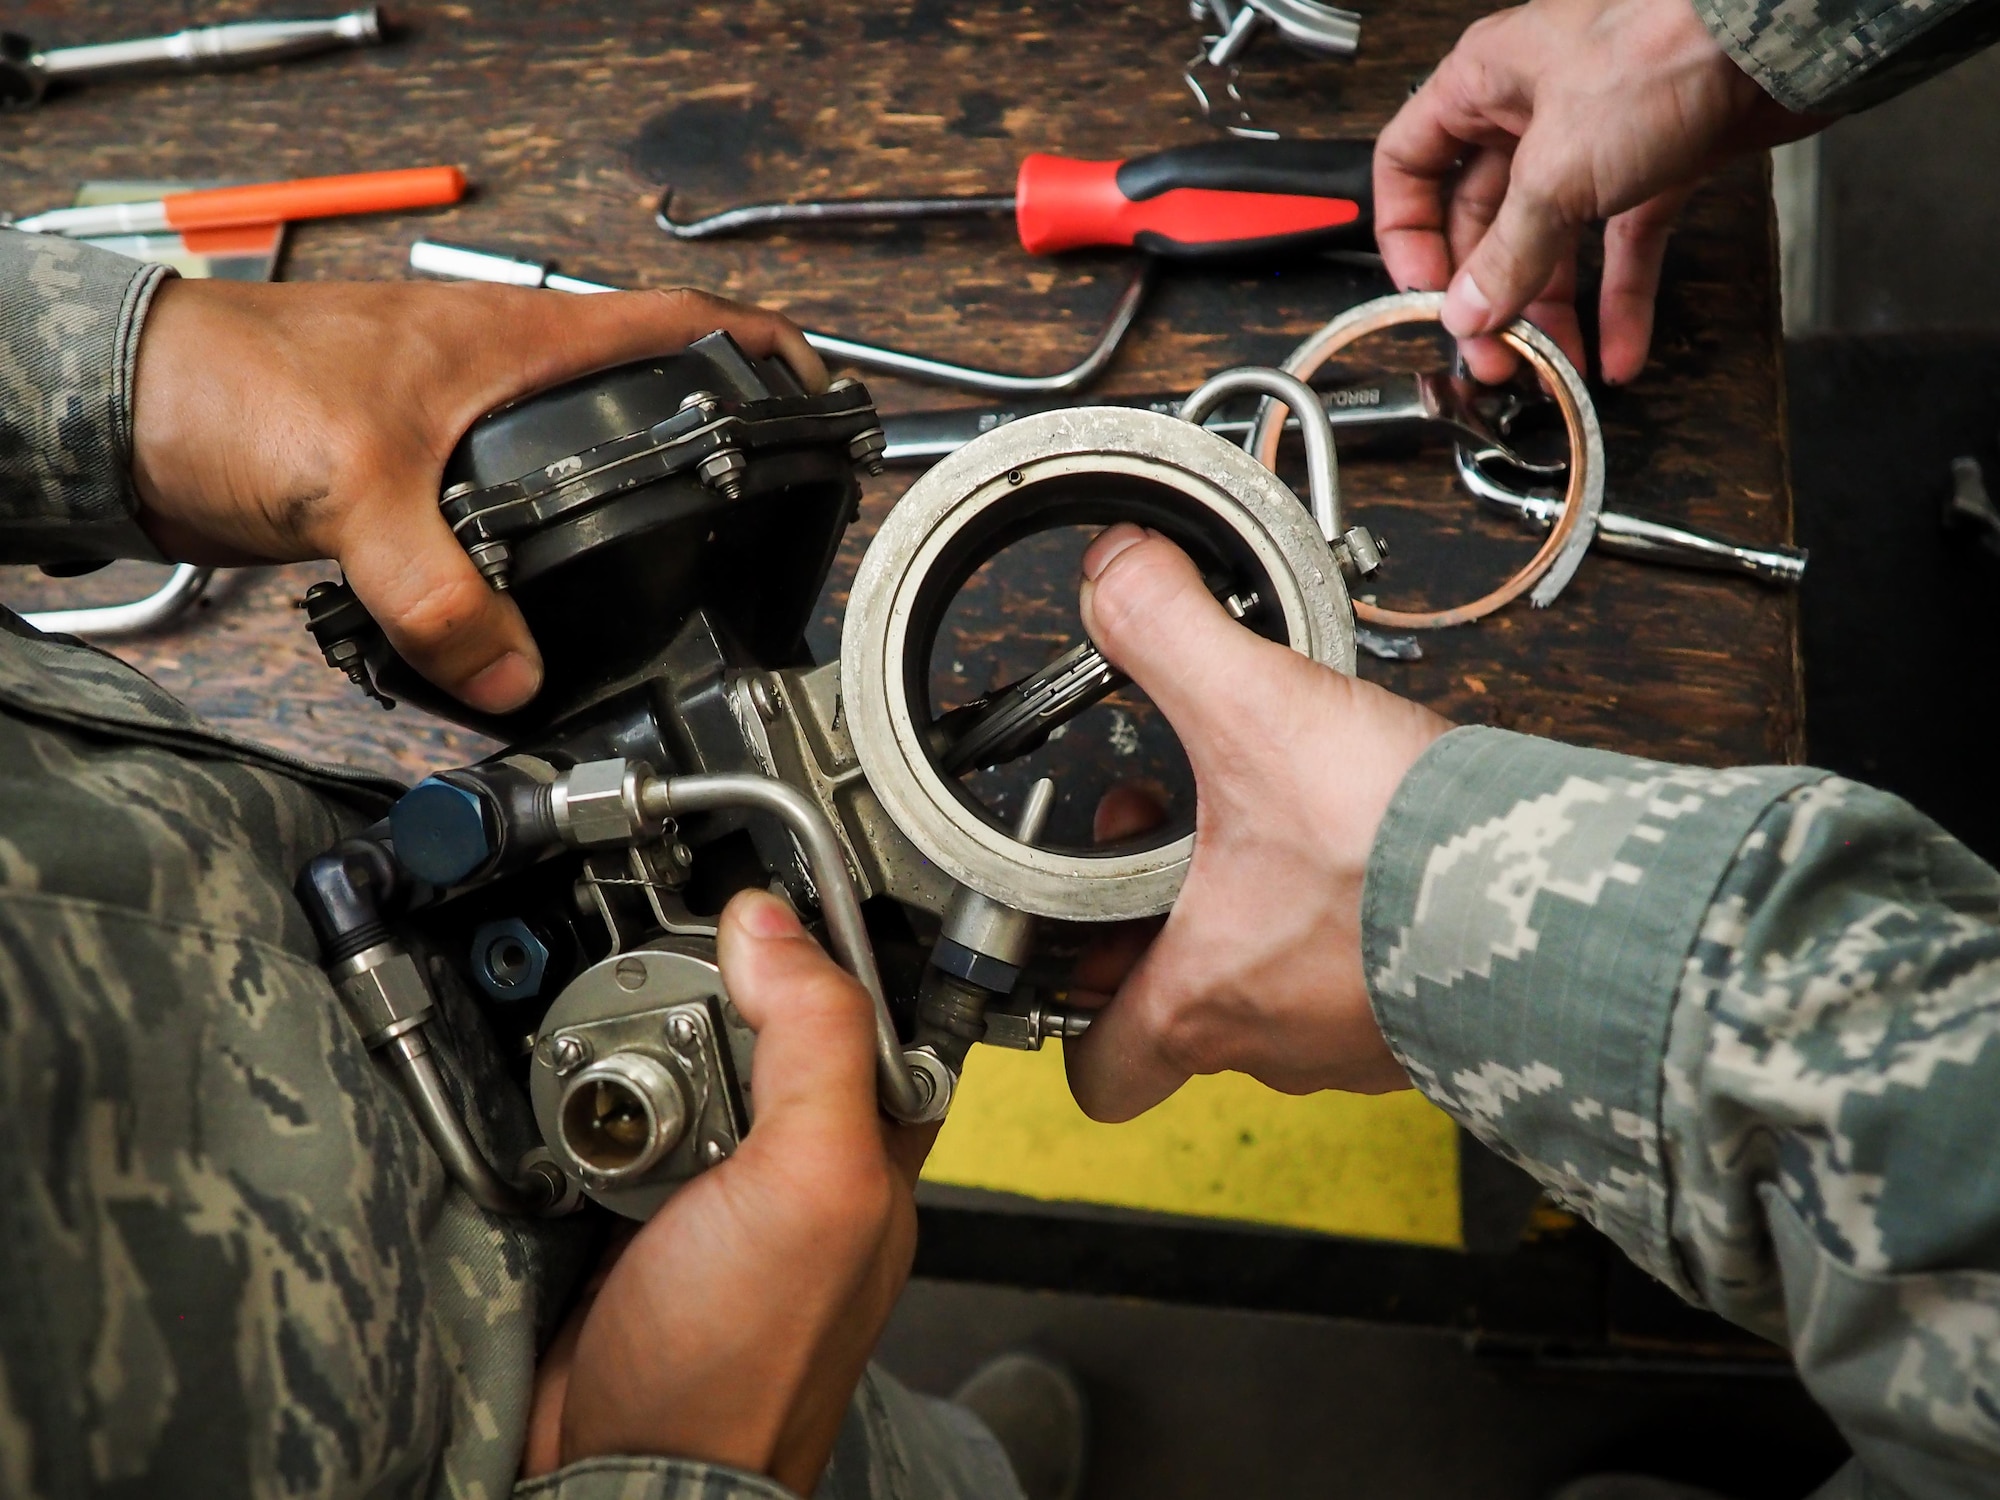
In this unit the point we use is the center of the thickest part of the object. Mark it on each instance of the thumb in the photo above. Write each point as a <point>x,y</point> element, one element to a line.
<point>442,617</point>
<point>1148,610</point>
<point>1517,255</point>
<point>814,1067</point>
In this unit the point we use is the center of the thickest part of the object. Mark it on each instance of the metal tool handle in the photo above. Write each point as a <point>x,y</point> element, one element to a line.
<point>161,607</point>
<point>1638,538</point>
<point>1322,466</point>
<point>199,48</point>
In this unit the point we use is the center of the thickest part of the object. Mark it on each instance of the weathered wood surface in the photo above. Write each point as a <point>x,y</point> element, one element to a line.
<point>569,120</point>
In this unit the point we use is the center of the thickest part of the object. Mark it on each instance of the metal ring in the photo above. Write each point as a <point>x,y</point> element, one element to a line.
<point>992,481</point>
<point>1556,562</point>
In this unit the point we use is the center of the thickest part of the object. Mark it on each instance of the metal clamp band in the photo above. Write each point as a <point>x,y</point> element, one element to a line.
<point>1556,562</point>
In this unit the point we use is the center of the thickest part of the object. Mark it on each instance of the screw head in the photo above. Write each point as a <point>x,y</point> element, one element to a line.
<point>681,1030</point>
<point>631,973</point>
<point>568,1054</point>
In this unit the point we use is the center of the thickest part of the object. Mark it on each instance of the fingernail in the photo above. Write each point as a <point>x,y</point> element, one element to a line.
<point>504,685</point>
<point>1119,538</point>
<point>1466,309</point>
<point>763,915</point>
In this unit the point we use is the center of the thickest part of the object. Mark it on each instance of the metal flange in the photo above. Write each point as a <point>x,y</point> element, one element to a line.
<point>1087,465</point>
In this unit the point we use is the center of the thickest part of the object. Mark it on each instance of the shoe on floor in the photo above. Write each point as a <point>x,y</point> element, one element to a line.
<point>1036,1409</point>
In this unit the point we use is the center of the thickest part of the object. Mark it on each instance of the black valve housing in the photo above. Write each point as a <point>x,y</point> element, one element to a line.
<point>616,506</point>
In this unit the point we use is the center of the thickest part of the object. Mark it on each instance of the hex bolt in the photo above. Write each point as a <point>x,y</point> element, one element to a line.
<point>569,1054</point>
<point>722,471</point>
<point>865,449</point>
<point>494,560</point>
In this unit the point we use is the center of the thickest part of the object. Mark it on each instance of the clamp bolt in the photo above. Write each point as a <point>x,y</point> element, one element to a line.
<point>494,560</point>
<point>723,471</point>
<point>865,449</point>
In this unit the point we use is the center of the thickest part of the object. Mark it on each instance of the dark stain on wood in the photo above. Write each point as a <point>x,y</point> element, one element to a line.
<point>543,104</point>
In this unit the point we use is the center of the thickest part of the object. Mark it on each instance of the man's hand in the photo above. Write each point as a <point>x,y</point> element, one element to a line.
<point>1545,118</point>
<point>735,1325</point>
<point>281,423</point>
<point>1258,968</point>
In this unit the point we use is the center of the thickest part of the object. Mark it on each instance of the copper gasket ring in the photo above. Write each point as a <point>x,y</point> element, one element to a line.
<point>1554,564</point>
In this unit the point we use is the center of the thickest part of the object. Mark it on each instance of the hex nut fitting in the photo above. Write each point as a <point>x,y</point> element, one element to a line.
<point>508,961</point>
<point>723,472</point>
<point>440,831</point>
<point>597,802</point>
<point>383,992</point>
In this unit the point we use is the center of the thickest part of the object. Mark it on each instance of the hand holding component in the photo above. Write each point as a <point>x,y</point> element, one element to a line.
<point>1633,536</point>
<point>1216,200</point>
<point>279,423</point>
<point>685,1351</point>
<point>25,73</point>
<point>1258,967</point>
<point>1545,118</point>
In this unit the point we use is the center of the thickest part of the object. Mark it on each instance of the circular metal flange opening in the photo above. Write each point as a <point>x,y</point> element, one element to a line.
<point>1089,465</point>
<point>617,1118</point>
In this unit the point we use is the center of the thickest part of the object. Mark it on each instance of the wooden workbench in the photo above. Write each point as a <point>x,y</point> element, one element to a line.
<point>569,122</point>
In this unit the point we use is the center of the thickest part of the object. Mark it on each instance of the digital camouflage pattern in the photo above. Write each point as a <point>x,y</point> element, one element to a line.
<point>232,1266</point>
<point>1835,56</point>
<point>1748,1024</point>
<point>70,318</point>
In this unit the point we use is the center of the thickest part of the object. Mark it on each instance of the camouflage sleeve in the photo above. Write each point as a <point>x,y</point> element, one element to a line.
<point>1748,1023</point>
<point>1837,56</point>
<point>70,318</point>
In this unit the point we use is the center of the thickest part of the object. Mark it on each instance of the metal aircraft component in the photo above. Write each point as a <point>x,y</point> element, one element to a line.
<point>632,1076</point>
<point>1091,464</point>
<point>157,610</point>
<point>683,748</point>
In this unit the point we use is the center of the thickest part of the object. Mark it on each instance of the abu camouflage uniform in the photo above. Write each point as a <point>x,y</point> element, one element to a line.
<point>1835,56</point>
<point>229,1263</point>
<point>1746,1022</point>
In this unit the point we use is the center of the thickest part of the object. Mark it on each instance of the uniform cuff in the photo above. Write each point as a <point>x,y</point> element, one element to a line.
<point>71,317</point>
<point>1528,914</point>
<point>650,1479</point>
